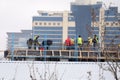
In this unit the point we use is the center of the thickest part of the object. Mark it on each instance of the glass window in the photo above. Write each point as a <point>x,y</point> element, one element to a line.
<point>51,36</point>
<point>45,23</point>
<point>36,23</point>
<point>71,28</point>
<point>54,23</point>
<point>40,23</point>
<point>112,28</point>
<point>49,23</point>
<point>48,32</point>
<point>71,32</point>
<point>47,28</point>
<point>107,23</point>
<point>58,24</point>
<point>116,24</point>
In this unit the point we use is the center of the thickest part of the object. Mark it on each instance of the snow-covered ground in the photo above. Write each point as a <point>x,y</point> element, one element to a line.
<point>21,70</point>
<point>42,70</point>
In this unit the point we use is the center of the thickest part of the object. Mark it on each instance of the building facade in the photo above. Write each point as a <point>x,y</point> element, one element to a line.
<point>55,26</point>
<point>18,40</point>
<point>91,18</point>
<point>87,18</point>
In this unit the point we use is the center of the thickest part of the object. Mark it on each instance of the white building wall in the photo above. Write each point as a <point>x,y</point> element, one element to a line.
<point>86,2</point>
<point>65,25</point>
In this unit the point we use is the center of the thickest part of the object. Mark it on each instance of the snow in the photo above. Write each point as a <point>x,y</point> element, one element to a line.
<point>20,70</point>
<point>42,70</point>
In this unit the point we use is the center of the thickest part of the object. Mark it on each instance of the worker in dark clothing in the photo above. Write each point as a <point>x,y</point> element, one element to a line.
<point>30,43</point>
<point>95,41</point>
<point>36,43</point>
<point>47,44</point>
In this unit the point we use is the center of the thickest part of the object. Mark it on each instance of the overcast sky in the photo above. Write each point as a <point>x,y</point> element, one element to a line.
<point>16,15</point>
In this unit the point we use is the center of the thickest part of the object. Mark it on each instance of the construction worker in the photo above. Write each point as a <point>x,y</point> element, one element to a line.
<point>36,43</point>
<point>72,43</point>
<point>95,41</point>
<point>30,43</point>
<point>89,42</point>
<point>80,42</point>
<point>68,43</point>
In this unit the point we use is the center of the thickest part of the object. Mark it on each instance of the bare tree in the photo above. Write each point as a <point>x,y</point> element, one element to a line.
<point>46,74</point>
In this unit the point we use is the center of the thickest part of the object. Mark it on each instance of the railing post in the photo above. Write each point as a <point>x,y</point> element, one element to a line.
<point>88,54</point>
<point>60,53</point>
<point>26,52</point>
<point>52,53</point>
<point>70,54</point>
<point>80,54</point>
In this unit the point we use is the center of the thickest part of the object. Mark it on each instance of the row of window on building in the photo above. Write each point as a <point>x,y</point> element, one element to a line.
<point>113,23</point>
<point>108,24</point>
<point>47,23</point>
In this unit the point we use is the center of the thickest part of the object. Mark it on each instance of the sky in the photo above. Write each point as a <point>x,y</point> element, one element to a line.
<point>16,15</point>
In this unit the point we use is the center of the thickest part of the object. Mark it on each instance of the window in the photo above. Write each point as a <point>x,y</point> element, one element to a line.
<point>58,23</point>
<point>54,23</point>
<point>40,23</point>
<point>111,24</point>
<point>107,23</point>
<point>36,23</point>
<point>49,23</point>
<point>116,24</point>
<point>45,23</point>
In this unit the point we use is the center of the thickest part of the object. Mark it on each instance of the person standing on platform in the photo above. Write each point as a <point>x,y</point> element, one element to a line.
<point>68,43</point>
<point>72,43</point>
<point>95,41</point>
<point>36,43</point>
<point>29,43</point>
<point>90,43</point>
<point>80,42</point>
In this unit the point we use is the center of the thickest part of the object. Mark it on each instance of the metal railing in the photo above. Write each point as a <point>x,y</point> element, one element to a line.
<point>80,54</point>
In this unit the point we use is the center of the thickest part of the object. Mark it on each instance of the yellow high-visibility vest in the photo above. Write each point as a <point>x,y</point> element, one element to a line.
<point>79,40</point>
<point>90,41</point>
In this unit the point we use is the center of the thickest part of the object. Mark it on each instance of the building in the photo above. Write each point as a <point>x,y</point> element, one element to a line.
<point>53,25</point>
<point>86,18</point>
<point>91,18</point>
<point>17,40</point>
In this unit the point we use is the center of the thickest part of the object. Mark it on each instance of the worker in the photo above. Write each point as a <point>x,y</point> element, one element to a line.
<point>72,46</point>
<point>90,41</point>
<point>29,43</point>
<point>68,43</point>
<point>95,41</point>
<point>36,43</point>
<point>80,42</point>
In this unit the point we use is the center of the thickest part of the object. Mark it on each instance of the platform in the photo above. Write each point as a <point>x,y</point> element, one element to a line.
<point>68,55</point>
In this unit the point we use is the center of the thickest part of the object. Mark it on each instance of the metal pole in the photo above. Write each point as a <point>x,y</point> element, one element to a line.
<point>45,46</point>
<point>12,47</point>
